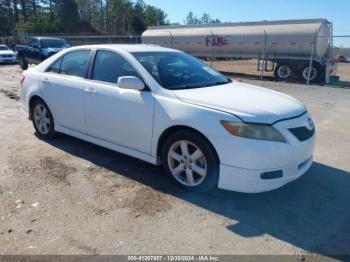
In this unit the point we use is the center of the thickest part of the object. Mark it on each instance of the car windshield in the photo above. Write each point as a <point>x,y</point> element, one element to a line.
<point>176,70</point>
<point>4,48</point>
<point>54,43</point>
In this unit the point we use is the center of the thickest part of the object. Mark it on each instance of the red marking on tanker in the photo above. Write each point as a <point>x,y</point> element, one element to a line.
<point>312,43</point>
<point>216,41</point>
<point>292,43</point>
<point>274,43</point>
<point>256,43</point>
<point>241,43</point>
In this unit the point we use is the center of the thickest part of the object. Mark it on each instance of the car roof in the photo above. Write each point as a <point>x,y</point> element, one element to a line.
<point>130,48</point>
<point>46,37</point>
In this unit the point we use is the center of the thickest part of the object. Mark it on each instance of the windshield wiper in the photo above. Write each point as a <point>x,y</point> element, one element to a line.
<point>202,85</point>
<point>188,86</point>
<point>220,83</point>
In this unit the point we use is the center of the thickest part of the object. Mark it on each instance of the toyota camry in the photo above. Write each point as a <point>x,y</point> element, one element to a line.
<point>168,108</point>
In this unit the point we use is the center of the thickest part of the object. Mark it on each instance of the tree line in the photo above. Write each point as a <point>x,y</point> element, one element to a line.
<point>118,17</point>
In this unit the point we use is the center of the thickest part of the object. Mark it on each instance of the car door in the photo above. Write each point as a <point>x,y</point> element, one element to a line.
<point>36,52</point>
<point>62,87</point>
<point>120,116</point>
<point>29,52</point>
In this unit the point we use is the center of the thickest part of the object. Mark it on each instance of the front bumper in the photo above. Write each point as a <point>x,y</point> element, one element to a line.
<point>250,181</point>
<point>12,59</point>
<point>245,161</point>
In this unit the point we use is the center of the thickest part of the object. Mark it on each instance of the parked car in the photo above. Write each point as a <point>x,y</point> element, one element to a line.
<point>341,59</point>
<point>7,55</point>
<point>166,107</point>
<point>39,49</point>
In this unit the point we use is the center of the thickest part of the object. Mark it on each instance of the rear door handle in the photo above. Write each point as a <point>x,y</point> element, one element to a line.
<point>90,91</point>
<point>46,80</point>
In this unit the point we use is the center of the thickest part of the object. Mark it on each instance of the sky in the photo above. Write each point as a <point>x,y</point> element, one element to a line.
<point>336,11</point>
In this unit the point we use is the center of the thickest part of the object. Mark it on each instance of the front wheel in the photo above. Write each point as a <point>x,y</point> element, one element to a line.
<point>23,63</point>
<point>42,120</point>
<point>190,161</point>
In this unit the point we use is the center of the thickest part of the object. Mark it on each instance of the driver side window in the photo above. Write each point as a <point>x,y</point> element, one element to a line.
<point>34,42</point>
<point>109,66</point>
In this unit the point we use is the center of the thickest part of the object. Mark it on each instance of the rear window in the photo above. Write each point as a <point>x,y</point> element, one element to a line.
<point>75,63</point>
<point>53,43</point>
<point>4,48</point>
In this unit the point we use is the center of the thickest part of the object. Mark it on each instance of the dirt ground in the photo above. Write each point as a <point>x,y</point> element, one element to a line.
<point>70,197</point>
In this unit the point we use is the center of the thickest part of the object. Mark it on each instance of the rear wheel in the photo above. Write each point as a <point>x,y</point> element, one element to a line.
<point>283,72</point>
<point>314,74</point>
<point>42,120</point>
<point>23,63</point>
<point>190,161</point>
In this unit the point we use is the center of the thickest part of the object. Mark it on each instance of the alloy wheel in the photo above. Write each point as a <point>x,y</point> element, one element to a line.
<point>41,119</point>
<point>187,163</point>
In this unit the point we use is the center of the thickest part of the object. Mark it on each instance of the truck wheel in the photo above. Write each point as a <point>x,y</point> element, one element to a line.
<point>282,72</point>
<point>23,63</point>
<point>316,73</point>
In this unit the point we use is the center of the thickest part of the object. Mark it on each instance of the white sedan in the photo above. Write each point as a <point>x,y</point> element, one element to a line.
<point>166,107</point>
<point>7,55</point>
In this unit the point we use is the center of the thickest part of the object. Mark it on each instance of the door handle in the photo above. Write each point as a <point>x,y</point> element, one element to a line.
<point>90,91</point>
<point>46,80</point>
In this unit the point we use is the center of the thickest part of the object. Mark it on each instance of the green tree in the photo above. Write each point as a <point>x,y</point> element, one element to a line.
<point>154,16</point>
<point>68,16</point>
<point>192,19</point>
<point>138,18</point>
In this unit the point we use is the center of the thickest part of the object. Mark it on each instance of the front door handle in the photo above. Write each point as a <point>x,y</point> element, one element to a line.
<point>90,91</point>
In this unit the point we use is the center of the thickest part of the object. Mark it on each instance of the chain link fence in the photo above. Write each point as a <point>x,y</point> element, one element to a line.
<point>260,67</point>
<point>75,40</point>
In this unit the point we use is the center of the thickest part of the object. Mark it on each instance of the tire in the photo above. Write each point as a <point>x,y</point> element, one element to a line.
<point>316,75</point>
<point>180,166</point>
<point>283,72</point>
<point>23,63</point>
<point>42,119</point>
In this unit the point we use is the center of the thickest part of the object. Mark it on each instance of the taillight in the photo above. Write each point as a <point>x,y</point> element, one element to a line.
<point>22,80</point>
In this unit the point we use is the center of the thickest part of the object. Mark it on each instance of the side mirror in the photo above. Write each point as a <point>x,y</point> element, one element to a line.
<point>131,82</point>
<point>36,45</point>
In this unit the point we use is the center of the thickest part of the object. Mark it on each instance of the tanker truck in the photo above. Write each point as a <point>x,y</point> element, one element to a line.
<point>292,49</point>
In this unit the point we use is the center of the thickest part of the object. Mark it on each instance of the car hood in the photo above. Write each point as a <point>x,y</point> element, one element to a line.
<point>250,103</point>
<point>52,49</point>
<point>7,52</point>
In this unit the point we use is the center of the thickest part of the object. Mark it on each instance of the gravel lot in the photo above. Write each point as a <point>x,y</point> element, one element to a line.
<point>70,197</point>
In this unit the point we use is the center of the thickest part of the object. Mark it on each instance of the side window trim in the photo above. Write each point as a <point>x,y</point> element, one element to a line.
<point>92,64</point>
<point>59,66</point>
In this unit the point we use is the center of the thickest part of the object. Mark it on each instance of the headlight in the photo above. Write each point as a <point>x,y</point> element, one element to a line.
<point>253,131</point>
